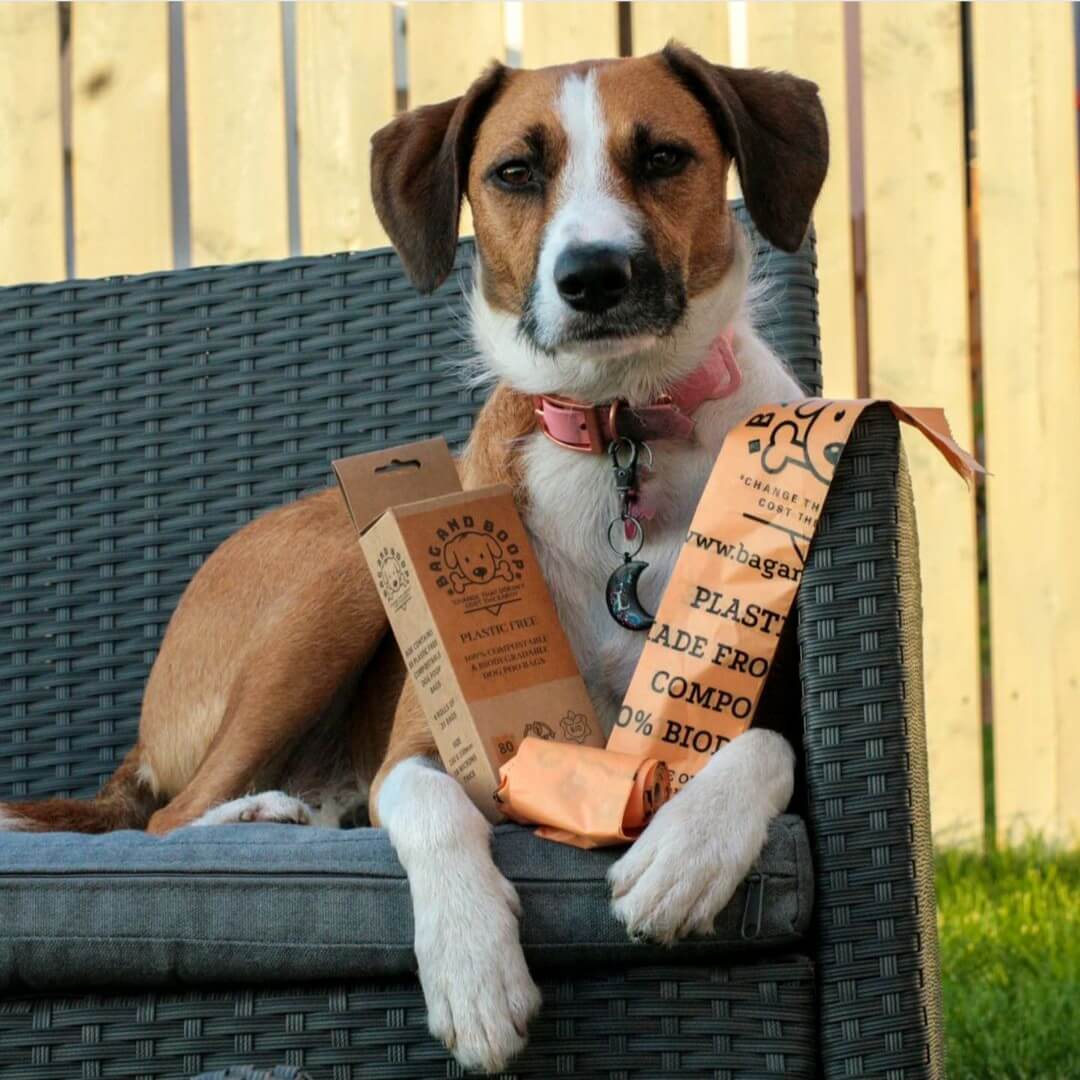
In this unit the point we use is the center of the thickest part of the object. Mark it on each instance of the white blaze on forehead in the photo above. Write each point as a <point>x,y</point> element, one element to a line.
<point>587,208</point>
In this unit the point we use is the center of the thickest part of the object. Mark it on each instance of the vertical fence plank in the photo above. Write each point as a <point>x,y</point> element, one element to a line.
<point>808,40</point>
<point>32,161</point>
<point>345,92</point>
<point>703,27</point>
<point>121,177</point>
<point>236,131</point>
<point>1026,151</point>
<point>560,32</point>
<point>918,335</point>
<point>464,37</point>
<point>448,45</point>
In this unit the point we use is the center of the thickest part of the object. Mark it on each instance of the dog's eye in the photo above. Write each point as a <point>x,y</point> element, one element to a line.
<point>665,161</point>
<point>514,174</point>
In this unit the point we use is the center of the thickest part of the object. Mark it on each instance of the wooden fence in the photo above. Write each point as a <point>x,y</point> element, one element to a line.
<point>135,137</point>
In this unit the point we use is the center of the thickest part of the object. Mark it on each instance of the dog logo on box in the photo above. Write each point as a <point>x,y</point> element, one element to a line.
<point>392,574</point>
<point>476,561</point>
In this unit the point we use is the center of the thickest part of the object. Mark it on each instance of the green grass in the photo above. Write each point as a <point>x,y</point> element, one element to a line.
<point>1009,925</point>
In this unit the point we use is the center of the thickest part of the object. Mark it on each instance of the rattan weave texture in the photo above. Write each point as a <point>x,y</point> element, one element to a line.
<point>250,1072</point>
<point>877,959</point>
<point>646,1024</point>
<point>144,419</point>
<point>147,418</point>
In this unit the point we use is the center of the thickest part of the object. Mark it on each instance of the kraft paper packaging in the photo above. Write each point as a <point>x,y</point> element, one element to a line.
<point>707,656</point>
<point>581,795</point>
<point>470,610</point>
<point>701,672</point>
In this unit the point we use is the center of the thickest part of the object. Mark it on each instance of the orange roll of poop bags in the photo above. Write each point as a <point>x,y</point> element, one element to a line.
<point>582,795</point>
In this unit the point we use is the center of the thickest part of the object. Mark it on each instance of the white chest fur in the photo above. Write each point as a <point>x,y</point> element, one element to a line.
<point>572,499</point>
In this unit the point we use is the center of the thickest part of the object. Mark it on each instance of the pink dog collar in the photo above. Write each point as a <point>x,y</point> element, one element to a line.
<point>592,428</point>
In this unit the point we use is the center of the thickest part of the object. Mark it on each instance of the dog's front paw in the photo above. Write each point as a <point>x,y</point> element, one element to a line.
<point>677,877</point>
<point>686,866</point>
<point>479,993</point>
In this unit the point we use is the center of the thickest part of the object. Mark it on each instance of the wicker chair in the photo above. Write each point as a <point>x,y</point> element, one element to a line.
<point>147,418</point>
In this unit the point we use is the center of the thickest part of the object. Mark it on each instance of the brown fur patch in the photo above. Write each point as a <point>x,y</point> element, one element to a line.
<point>491,456</point>
<point>410,736</point>
<point>282,617</point>
<point>509,226</point>
<point>687,215</point>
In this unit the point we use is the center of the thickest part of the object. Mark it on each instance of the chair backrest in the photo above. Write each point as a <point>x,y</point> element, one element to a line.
<point>147,418</point>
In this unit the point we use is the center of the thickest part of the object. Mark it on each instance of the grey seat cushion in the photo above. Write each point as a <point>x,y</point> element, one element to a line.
<point>258,903</point>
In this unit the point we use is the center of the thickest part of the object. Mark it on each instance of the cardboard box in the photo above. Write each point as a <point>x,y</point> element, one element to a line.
<point>470,610</point>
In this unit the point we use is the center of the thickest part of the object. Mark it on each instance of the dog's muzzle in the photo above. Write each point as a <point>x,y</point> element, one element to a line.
<point>608,293</point>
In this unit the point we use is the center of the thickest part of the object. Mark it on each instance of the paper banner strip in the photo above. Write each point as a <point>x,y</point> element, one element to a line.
<point>581,795</point>
<point>701,673</point>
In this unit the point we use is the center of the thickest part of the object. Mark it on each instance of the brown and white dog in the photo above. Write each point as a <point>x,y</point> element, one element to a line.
<point>608,265</point>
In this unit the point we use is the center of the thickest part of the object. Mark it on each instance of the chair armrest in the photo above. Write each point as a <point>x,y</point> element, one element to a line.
<point>860,640</point>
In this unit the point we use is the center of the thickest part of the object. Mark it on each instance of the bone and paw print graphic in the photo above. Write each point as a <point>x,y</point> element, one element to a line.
<point>808,441</point>
<point>475,558</point>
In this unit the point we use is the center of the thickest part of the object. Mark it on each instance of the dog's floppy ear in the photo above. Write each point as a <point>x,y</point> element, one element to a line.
<point>419,169</point>
<point>493,548</point>
<point>773,126</point>
<point>450,555</point>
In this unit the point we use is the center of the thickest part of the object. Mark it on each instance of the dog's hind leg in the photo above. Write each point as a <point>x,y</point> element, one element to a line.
<point>292,676</point>
<point>287,686</point>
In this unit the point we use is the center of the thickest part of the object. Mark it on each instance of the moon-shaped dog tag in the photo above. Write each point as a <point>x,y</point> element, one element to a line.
<point>622,597</point>
<point>621,593</point>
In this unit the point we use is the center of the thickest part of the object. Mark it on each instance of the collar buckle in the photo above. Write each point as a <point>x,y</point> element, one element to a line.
<point>570,424</point>
<point>613,419</point>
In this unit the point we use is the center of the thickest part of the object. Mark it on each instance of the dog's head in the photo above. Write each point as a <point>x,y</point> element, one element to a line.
<point>598,190</point>
<point>476,555</point>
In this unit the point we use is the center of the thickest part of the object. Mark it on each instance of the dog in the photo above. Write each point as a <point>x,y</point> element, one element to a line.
<point>608,267</point>
<point>475,558</point>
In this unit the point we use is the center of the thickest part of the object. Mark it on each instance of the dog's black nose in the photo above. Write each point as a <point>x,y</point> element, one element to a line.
<point>592,277</point>
<point>479,571</point>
